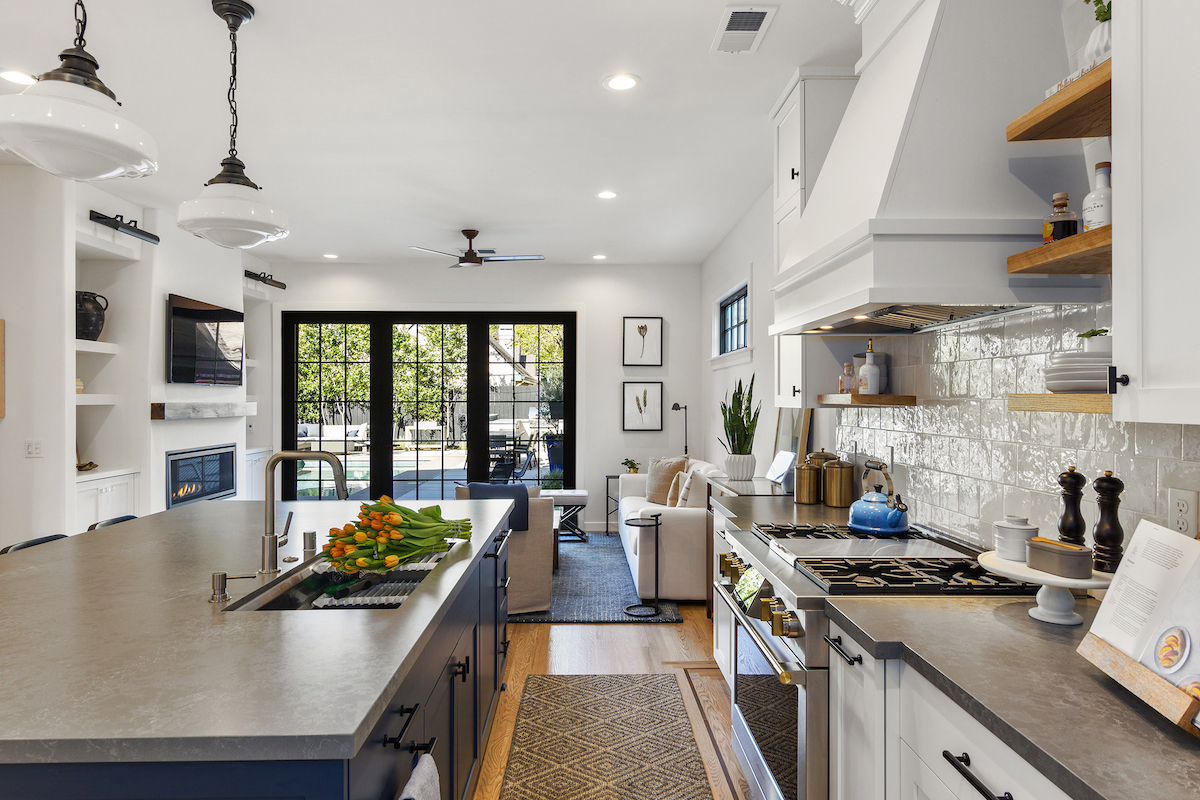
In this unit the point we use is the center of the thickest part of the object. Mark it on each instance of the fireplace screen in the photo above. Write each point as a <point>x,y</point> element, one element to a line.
<point>201,474</point>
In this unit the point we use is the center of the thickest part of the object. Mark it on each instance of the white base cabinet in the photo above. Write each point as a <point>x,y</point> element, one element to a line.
<point>889,730</point>
<point>105,498</point>
<point>256,463</point>
<point>857,717</point>
<point>722,617</point>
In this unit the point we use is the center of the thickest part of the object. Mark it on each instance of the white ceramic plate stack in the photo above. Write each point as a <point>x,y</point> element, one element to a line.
<point>1078,371</point>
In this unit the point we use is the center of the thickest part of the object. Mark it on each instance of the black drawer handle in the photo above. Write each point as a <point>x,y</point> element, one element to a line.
<point>961,763</point>
<point>463,669</point>
<point>795,174</point>
<point>504,583</point>
<point>795,391</point>
<point>394,741</point>
<point>836,644</point>
<point>504,647</point>
<point>427,747</point>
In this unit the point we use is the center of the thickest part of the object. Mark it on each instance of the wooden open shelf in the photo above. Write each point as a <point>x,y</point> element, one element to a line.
<point>1089,403</point>
<point>1087,253</point>
<point>867,399</point>
<point>1083,109</point>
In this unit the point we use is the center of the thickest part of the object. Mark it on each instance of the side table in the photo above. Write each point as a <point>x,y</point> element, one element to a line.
<point>612,503</point>
<point>637,609</point>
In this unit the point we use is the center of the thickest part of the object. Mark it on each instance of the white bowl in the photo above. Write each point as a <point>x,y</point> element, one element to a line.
<point>1069,387</point>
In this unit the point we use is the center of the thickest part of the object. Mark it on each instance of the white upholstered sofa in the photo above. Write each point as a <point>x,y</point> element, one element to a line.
<point>683,571</point>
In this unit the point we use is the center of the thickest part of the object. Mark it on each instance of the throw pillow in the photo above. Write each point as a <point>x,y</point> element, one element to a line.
<point>685,489</point>
<point>662,472</point>
<point>673,492</point>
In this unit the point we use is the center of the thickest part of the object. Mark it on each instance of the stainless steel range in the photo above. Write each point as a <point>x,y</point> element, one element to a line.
<point>779,576</point>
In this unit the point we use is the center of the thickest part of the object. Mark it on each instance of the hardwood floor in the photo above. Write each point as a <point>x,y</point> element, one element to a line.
<point>684,649</point>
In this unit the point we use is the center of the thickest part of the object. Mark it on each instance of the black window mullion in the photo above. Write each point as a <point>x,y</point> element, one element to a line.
<point>478,354</point>
<point>382,404</point>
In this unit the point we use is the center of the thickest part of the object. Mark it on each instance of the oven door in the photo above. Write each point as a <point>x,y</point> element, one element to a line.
<point>780,713</point>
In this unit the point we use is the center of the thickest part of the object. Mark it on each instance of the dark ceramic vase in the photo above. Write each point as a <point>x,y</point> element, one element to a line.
<point>89,315</point>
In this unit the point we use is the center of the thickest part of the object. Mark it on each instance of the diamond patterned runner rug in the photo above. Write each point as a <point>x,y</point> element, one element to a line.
<point>593,584</point>
<point>603,737</point>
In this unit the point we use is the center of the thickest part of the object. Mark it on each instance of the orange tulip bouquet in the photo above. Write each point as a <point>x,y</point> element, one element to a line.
<point>386,535</point>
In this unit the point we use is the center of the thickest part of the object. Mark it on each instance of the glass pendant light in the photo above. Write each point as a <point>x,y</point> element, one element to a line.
<point>68,123</point>
<point>230,211</point>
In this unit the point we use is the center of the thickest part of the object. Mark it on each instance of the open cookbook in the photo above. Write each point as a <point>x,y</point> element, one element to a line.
<point>1152,609</point>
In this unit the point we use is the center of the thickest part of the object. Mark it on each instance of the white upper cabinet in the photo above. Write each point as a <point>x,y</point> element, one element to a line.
<point>1156,112</point>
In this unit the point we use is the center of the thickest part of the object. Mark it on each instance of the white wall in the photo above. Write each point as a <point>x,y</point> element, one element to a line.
<point>600,296</point>
<point>195,268</point>
<point>37,242</point>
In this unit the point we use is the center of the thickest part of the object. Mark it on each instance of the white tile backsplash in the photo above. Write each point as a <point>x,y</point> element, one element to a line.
<point>963,460</point>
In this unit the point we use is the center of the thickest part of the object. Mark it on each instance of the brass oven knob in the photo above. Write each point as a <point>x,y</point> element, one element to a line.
<point>786,624</point>
<point>725,560</point>
<point>735,568</point>
<point>769,605</point>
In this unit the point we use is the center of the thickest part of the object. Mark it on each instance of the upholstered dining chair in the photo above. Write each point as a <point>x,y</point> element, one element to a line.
<point>104,523</point>
<point>31,542</point>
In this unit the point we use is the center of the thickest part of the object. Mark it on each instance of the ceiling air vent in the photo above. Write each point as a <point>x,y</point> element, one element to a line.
<point>742,28</point>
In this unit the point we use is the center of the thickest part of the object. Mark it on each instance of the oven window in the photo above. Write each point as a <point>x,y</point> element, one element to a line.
<point>771,709</point>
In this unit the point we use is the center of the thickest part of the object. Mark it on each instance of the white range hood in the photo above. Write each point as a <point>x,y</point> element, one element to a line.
<point>921,199</point>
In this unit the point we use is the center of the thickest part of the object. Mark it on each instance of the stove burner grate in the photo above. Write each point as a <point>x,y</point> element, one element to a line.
<point>958,575</point>
<point>808,530</point>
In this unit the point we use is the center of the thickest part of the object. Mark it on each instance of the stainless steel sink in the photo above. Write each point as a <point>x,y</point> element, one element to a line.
<point>301,588</point>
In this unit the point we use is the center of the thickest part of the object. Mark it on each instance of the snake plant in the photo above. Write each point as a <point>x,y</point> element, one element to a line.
<point>740,422</point>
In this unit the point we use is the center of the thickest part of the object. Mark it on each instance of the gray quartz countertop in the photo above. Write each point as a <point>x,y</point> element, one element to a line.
<point>1024,681</point>
<point>112,652</point>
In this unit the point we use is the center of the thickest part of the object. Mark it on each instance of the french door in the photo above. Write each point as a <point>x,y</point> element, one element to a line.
<point>415,403</point>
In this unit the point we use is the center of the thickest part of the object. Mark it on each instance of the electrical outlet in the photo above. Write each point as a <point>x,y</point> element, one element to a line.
<point>1181,511</point>
<point>33,448</point>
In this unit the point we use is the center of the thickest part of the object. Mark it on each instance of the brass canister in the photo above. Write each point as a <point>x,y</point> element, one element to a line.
<point>838,479</point>
<point>808,484</point>
<point>821,457</point>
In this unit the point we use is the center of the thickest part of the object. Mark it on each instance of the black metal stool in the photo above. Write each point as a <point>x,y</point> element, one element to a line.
<point>655,521</point>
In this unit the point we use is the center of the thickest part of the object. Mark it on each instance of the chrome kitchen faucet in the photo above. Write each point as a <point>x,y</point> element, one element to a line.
<point>270,543</point>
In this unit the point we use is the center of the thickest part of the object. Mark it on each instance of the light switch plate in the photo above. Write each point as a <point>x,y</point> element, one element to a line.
<point>33,448</point>
<point>1181,511</point>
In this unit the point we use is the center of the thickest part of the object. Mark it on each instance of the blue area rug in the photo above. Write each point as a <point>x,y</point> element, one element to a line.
<point>593,584</point>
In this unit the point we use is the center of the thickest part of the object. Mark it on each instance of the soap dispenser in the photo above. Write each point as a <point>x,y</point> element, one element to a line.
<point>868,373</point>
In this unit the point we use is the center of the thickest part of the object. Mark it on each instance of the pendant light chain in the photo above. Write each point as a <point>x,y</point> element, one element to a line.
<point>80,24</point>
<point>233,125</point>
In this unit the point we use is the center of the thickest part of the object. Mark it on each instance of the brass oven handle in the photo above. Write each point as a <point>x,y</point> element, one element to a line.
<point>783,670</point>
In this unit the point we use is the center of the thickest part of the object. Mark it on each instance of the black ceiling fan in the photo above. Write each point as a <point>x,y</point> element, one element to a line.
<point>472,258</point>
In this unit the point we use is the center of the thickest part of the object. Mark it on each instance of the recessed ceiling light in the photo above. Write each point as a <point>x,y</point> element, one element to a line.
<point>826,327</point>
<point>861,316</point>
<point>16,76</point>
<point>622,82</point>
<point>331,255</point>
<point>606,195</point>
<point>599,257</point>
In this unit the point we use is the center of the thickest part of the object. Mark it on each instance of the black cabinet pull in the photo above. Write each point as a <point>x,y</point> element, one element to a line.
<point>1113,380</point>
<point>960,763</point>
<point>394,741</point>
<point>427,747</point>
<point>836,644</point>
<point>795,174</point>
<point>504,647</point>
<point>795,391</point>
<point>504,583</point>
<point>463,669</point>
<point>499,542</point>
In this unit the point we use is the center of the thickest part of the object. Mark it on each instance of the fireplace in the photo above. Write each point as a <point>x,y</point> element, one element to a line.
<point>204,473</point>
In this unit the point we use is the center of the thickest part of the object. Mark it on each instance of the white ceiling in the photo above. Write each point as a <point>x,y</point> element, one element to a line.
<point>378,124</point>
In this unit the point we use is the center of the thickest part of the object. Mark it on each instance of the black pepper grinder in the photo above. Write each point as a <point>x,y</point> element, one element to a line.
<point>1071,525</point>
<point>1108,535</point>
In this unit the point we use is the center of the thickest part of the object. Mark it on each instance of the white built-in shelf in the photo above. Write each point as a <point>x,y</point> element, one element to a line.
<point>249,363</point>
<point>89,247</point>
<point>95,399</point>
<point>100,473</point>
<point>104,348</point>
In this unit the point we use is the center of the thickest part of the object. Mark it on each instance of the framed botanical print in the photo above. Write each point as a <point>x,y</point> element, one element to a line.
<point>642,406</point>
<point>642,342</point>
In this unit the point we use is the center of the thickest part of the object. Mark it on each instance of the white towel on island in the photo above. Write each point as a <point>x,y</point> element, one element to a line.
<point>424,783</point>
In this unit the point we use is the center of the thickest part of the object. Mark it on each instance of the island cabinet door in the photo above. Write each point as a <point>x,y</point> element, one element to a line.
<point>493,627</point>
<point>450,718</point>
<point>385,762</point>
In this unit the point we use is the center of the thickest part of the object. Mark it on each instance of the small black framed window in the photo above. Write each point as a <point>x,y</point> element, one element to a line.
<point>733,321</point>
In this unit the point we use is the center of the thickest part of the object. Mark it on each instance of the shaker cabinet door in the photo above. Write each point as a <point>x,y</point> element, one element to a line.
<point>856,722</point>
<point>789,147</point>
<point>1153,126</point>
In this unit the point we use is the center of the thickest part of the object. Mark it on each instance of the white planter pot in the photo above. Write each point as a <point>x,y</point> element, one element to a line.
<point>739,468</point>
<point>1099,43</point>
<point>1098,344</point>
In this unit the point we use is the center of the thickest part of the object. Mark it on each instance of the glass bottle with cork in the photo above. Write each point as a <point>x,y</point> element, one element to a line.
<point>847,383</point>
<point>1061,222</point>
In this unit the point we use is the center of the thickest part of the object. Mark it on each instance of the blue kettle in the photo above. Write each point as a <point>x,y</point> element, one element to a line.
<point>876,512</point>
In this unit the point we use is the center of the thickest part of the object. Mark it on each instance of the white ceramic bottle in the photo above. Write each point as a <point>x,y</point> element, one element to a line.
<point>868,373</point>
<point>1097,206</point>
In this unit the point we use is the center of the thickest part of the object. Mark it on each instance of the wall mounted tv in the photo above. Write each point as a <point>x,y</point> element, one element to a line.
<point>204,343</point>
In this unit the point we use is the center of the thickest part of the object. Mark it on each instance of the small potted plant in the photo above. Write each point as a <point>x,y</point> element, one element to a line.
<point>553,479</point>
<point>740,423</point>
<point>1096,340</point>
<point>630,465</point>
<point>1099,44</point>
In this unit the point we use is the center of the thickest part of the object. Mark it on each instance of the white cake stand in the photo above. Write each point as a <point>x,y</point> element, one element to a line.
<point>1055,603</point>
